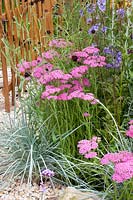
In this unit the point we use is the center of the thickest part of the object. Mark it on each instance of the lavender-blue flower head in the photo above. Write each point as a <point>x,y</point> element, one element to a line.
<point>94,29</point>
<point>81,12</point>
<point>114,55</point>
<point>108,50</point>
<point>42,187</point>
<point>120,12</point>
<point>88,20</point>
<point>47,173</point>
<point>118,57</point>
<point>104,29</point>
<point>101,5</point>
<point>91,8</point>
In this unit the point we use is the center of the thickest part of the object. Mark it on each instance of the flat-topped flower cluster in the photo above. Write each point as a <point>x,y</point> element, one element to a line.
<point>123,165</point>
<point>129,132</point>
<point>87,147</point>
<point>122,160</point>
<point>58,84</point>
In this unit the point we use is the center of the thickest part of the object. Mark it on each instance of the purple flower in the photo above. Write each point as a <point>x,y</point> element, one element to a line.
<point>119,57</point>
<point>108,50</point>
<point>101,5</point>
<point>115,55</point>
<point>81,12</point>
<point>129,132</point>
<point>104,29</point>
<point>120,12</point>
<point>91,8</point>
<point>91,154</point>
<point>88,20</point>
<point>86,114</point>
<point>109,65</point>
<point>47,173</point>
<point>129,51</point>
<point>42,187</point>
<point>93,29</point>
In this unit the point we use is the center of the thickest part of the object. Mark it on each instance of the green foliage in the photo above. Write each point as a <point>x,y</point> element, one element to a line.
<point>29,148</point>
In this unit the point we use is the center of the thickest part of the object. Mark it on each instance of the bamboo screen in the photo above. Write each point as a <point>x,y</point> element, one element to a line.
<point>24,28</point>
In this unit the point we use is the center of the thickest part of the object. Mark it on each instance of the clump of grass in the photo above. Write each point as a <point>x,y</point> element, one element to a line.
<point>27,149</point>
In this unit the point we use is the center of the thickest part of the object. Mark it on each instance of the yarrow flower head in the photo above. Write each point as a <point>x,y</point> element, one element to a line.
<point>130,122</point>
<point>86,114</point>
<point>24,66</point>
<point>50,54</point>
<point>129,132</point>
<point>47,173</point>
<point>86,147</point>
<point>90,56</point>
<point>59,43</point>
<point>123,165</point>
<point>121,156</point>
<point>123,171</point>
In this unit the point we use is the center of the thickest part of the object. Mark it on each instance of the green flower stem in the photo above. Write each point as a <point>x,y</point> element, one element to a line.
<point>118,131</point>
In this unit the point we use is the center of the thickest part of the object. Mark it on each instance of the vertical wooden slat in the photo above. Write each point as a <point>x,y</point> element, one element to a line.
<point>10,38</point>
<point>24,30</point>
<point>48,5</point>
<point>31,30</point>
<point>15,38</point>
<point>36,32</point>
<point>40,16</point>
<point>39,9</point>
<point>60,11</point>
<point>4,66</point>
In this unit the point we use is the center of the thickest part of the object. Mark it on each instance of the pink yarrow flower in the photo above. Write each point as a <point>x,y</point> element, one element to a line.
<point>80,54</point>
<point>86,146</point>
<point>129,132</point>
<point>64,97</point>
<point>91,50</point>
<point>86,114</point>
<point>123,165</point>
<point>123,171</point>
<point>77,72</point>
<point>50,54</point>
<point>86,82</point>
<point>130,122</point>
<point>121,156</point>
<point>24,66</point>
<point>95,61</point>
<point>91,154</point>
<point>59,43</point>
